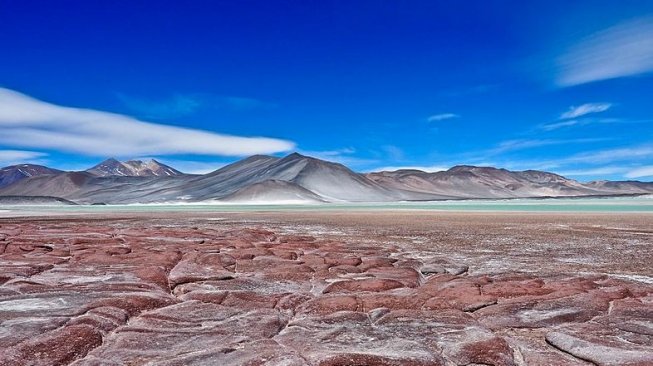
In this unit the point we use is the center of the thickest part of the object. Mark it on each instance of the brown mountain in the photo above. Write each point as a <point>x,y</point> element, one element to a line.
<point>15,173</point>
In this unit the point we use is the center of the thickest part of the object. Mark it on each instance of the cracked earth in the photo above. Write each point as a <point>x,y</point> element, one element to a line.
<point>326,289</point>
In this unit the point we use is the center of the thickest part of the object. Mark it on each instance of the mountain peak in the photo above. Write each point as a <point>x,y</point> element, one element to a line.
<point>463,168</point>
<point>474,168</point>
<point>132,168</point>
<point>110,161</point>
<point>296,155</point>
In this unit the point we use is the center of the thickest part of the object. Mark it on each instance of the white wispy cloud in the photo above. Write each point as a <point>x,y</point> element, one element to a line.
<point>625,49</point>
<point>585,109</point>
<point>625,156</point>
<point>30,123</point>
<point>588,121</point>
<point>557,125</point>
<point>522,144</point>
<point>12,157</point>
<point>645,171</point>
<point>632,153</point>
<point>442,117</point>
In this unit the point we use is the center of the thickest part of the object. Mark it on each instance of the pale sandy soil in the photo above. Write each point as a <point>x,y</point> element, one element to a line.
<point>489,242</point>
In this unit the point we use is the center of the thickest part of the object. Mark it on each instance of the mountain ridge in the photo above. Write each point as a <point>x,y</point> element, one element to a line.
<point>301,178</point>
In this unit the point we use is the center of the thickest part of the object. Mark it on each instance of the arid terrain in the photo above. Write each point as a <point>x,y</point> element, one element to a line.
<point>327,288</point>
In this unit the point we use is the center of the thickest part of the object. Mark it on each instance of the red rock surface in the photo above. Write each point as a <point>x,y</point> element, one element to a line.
<point>157,292</point>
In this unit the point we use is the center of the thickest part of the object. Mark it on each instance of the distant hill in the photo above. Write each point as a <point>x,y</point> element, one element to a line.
<point>299,178</point>
<point>14,173</point>
<point>484,182</point>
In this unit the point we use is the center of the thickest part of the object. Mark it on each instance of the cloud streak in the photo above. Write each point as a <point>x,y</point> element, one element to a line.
<point>516,145</point>
<point>585,109</point>
<point>576,116</point>
<point>30,123</point>
<point>612,155</point>
<point>12,157</point>
<point>645,171</point>
<point>557,125</point>
<point>442,117</point>
<point>619,51</point>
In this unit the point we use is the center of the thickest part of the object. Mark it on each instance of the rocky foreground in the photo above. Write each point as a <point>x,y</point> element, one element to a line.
<point>138,291</point>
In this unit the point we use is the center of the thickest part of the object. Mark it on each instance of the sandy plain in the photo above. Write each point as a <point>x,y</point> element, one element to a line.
<point>327,288</point>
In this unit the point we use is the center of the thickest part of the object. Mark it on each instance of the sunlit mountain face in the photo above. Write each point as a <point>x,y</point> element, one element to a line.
<point>297,178</point>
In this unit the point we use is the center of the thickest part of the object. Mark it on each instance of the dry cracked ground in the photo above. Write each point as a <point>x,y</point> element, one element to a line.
<point>326,289</point>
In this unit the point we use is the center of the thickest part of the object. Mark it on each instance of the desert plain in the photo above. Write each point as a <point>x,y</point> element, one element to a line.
<point>327,288</point>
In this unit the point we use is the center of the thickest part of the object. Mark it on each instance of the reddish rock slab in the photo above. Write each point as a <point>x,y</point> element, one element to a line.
<point>346,337</point>
<point>195,267</point>
<point>324,305</point>
<point>197,292</point>
<point>260,352</point>
<point>409,277</point>
<point>550,312</point>
<point>600,349</point>
<point>460,337</point>
<point>363,285</point>
<point>58,347</point>
<point>191,332</point>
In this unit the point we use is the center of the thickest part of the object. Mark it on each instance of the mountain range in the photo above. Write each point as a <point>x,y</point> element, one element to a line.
<point>291,179</point>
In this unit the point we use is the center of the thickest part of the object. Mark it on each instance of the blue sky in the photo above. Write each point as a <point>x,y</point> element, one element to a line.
<point>558,86</point>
